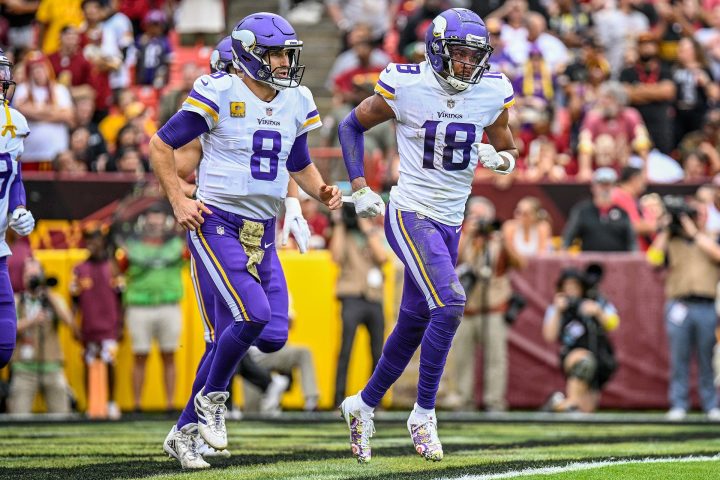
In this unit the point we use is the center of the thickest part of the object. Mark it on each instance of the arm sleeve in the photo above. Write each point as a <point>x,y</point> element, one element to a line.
<point>309,118</point>
<point>17,192</point>
<point>352,142</point>
<point>299,156</point>
<point>203,100</point>
<point>182,128</point>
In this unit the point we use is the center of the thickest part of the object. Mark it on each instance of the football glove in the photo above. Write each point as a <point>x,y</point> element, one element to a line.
<point>22,221</point>
<point>296,224</point>
<point>368,203</point>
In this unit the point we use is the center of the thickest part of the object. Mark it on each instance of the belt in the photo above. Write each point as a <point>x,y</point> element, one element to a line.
<point>696,299</point>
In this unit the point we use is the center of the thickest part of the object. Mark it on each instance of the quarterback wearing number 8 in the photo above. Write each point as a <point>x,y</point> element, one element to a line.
<point>253,131</point>
<point>13,130</point>
<point>442,107</point>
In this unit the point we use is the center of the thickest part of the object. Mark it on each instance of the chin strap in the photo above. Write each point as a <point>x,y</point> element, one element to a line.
<point>9,127</point>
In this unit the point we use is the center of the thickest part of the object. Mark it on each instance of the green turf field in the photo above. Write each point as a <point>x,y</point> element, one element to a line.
<point>319,450</point>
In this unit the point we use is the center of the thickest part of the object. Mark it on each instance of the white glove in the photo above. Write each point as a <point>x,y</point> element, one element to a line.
<point>296,224</point>
<point>488,156</point>
<point>368,203</point>
<point>22,221</point>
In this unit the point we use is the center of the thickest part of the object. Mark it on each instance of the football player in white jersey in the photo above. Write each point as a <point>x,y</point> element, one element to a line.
<point>253,132</point>
<point>13,130</point>
<point>442,107</point>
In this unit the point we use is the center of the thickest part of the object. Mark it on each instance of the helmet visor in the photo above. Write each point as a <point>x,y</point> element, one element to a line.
<point>466,61</point>
<point>5,73</point>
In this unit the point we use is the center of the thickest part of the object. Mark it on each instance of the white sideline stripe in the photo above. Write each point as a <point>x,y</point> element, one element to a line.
<point>573,467</point>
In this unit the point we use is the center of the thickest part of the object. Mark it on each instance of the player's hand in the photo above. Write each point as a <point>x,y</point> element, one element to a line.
<point>296,224</point>
<point>22,221</point>
<point>368,203</point>
<point>189,213</point>
<point>488,156</point>
<point>331,196</point>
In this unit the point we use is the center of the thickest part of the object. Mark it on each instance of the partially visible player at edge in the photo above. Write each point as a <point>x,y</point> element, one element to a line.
<point>187,159</point>
<point>253,132</point>
<point>13,130</point>
<point>441,106</point>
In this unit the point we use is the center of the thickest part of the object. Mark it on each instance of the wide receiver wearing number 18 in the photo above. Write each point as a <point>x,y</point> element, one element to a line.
<point>441,106</point>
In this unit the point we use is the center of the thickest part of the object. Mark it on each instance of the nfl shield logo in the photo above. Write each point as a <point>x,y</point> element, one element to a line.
<point>220,230</point>
<point>451,103</point>
<point>268,112</point>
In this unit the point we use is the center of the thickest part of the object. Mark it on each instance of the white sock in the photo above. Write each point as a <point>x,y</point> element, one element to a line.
<point>424,411</point>
<point>364,407</point>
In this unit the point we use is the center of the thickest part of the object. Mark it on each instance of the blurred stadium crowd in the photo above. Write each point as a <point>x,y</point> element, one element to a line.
<point>611,93</point>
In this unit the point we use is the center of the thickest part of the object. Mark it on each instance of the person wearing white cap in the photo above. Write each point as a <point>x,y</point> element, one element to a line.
<point>598,223</point>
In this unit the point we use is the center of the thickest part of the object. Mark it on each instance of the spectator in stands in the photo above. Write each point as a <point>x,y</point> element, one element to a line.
<point>130,161</point>
<point>358,248</point>
<point>652,210</point>
<point>626,195</point>
<point>38,359</point>
<point>69,65</point>
<point>651,91</point>
<point>486,261</point>
<point>86,140</point>
<point>571,22</point>
<point>48,107</point>
<point>129,139</point>
<point>172,100</point>
<point>536,80</point>
<point>95,288</point>
<point>691,255</point>
<point>552,49</point>
<point>580,318</point>
<point>695,88</point>
<point>529,232</point>
<point>53,16</point>
<point>500,60</point>
<point>348,13</point>
<point>20,15</point>
<point>111,124</point>
<point>118,24</point>
<point>154,259</point>
<point>361,54</point>
<point>695,166</point>
<point>617,28</point>
<point>514,29</point>
<point>620,129</point>
<point>417,23</point>
<point>597,223</point>
<point>153,51</point>
<point>100,49</point>
<point>136,11</point>
<point>67,162</point>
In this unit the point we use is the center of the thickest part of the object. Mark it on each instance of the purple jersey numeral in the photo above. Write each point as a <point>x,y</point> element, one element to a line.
<point>259,152</point>
<point>411,68</point>
<point>451,144</point>
<point>5,174</point>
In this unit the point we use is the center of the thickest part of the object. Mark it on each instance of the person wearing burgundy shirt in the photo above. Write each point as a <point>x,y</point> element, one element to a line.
<point>71,68</point>
<point>95,289</point>
<point>597,223</point>
<point>626,194</point>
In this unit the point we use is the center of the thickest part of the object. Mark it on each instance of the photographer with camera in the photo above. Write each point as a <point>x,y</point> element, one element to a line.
<point>38,361</point>
<point>358,247</point>
<point>691,256</point>
<point>484,262</point>
<point>580,318</point>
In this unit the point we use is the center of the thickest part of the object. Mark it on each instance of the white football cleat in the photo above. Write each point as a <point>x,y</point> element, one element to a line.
<point>210,410</point>
<point>181,445</point>
<point>206,451</point>
<point>423,431</point>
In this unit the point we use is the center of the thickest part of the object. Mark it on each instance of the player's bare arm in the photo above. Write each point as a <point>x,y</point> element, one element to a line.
<point>310,180</point>
<point>501,139</point>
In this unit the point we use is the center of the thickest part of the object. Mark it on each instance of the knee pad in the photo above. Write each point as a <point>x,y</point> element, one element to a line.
<point>246,332</point>
<point>269,346</point>
<point>449,313</point>
<point>584,369</point>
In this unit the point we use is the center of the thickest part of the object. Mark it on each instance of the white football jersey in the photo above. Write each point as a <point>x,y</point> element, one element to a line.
<point>435,133</point>
<point>11,147</point>
<point>243,169</point>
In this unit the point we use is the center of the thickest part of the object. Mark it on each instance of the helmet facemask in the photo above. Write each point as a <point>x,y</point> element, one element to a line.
<point>455,51</point>
<point>6,82</point>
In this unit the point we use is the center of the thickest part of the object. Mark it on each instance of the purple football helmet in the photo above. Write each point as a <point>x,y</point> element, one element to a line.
<point>458,29</point>
<point>252,40</point>
<point>221,59</point>
<point>6,78</point>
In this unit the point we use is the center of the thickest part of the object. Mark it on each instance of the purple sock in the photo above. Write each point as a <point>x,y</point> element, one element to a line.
<point>188,414</point>
<point>399,349</point>
<point>444,322</point>
<point>229,350</point>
